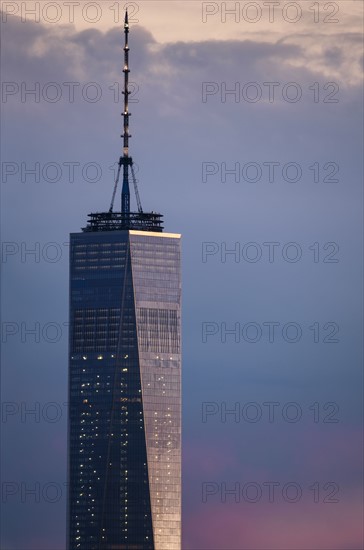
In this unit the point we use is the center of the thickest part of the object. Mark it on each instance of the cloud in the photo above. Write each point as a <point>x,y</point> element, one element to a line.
<point>276,526</point>
<point>33,50</point>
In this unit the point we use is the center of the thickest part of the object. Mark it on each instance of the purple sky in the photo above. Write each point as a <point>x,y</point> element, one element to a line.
<point>183,142</point>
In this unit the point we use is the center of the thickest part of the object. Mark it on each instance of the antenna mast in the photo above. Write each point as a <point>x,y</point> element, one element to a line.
<point>126,161</point>
<point>125,220</point>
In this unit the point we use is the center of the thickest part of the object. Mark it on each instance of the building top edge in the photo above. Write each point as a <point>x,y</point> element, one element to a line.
<point>155,234</point>
<point>130,231</point>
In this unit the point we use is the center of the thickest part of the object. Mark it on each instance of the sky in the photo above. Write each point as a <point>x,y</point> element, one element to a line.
<point>247,135</point>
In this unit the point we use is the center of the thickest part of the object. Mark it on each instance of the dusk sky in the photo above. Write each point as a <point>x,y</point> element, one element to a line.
<point>247,136</point>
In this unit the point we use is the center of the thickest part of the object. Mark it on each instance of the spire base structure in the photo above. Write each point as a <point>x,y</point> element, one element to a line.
<point>125,162</point>
<point>117,221</point>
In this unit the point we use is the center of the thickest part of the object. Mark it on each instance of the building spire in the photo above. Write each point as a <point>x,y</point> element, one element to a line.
<point>140,220</point>
<point>125,160</point>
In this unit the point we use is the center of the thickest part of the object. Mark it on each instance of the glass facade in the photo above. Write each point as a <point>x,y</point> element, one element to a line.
<point>124,391</point>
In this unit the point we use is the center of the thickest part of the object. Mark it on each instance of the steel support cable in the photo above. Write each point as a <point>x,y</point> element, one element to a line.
<point>115,187</point>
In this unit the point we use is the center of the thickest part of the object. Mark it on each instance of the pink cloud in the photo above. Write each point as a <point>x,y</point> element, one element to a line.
<point>279,525</point>
<point>317,455</point>
<point>208,458</point>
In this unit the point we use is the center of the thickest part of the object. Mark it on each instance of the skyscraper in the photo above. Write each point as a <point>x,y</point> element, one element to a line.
<point>124,458</point>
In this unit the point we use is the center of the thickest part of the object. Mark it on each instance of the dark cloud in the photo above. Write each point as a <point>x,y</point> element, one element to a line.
<point>59,53</point>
